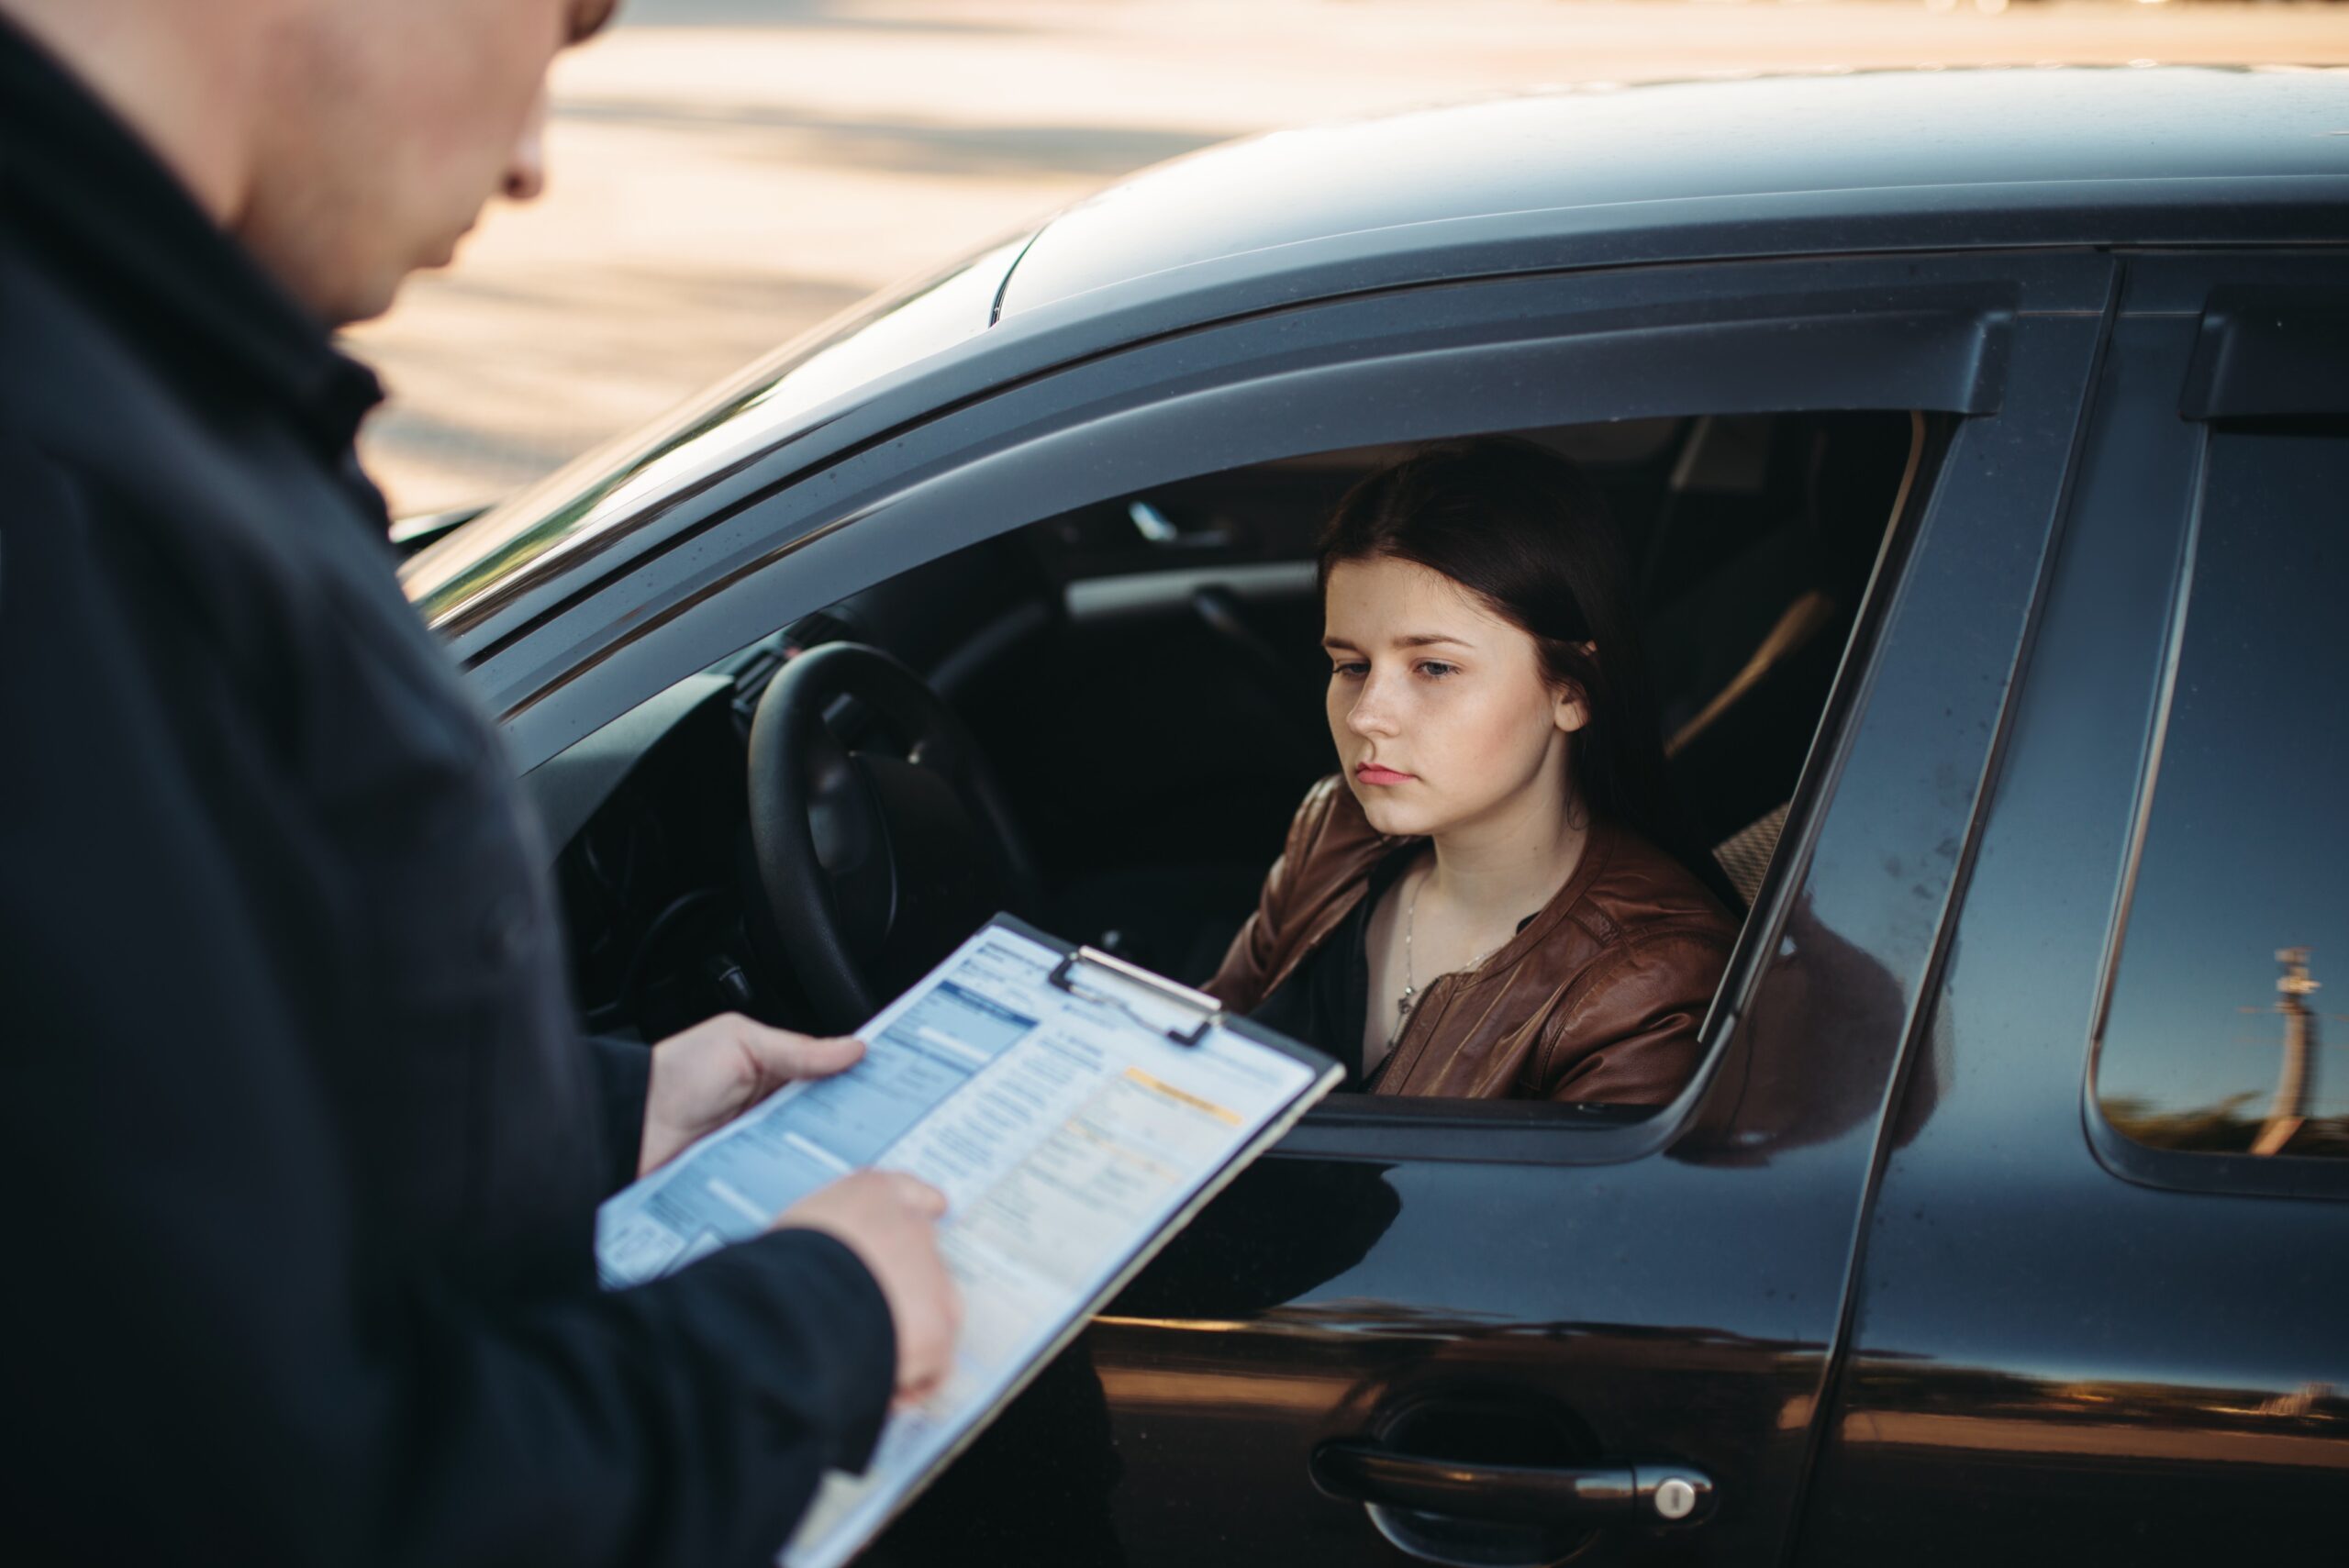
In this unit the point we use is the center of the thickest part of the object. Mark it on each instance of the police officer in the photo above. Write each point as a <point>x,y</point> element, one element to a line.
<point>300,1144</point>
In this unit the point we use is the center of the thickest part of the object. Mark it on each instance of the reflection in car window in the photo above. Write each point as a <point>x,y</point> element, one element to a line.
<point>587,499</point>
<point>2219,1038</point>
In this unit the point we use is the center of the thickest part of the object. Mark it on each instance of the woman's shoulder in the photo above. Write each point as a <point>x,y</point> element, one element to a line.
<point>1330,849</point>
<point>1642,890</point>
<point>1330,824</point>
<point>1332,846</point>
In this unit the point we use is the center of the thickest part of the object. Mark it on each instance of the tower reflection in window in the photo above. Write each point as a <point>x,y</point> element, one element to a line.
<point>2217,1040</point>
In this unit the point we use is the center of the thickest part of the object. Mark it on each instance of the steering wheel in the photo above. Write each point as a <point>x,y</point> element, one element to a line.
<point>875,863</point>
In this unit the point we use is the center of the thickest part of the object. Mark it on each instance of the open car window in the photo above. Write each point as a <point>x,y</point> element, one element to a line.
<point>999,550</point>
<point>1079,647</point>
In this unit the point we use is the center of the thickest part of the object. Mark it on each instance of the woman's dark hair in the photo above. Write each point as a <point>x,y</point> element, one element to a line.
<point>1524,531</point>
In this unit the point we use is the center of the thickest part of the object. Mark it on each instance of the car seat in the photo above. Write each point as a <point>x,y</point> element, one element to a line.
<point>1745,656</point>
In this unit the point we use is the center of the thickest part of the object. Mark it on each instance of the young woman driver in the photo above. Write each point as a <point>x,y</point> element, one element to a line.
<point>1482,902</point>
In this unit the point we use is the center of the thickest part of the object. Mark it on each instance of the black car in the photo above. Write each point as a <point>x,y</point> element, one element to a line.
<point>1984,439</point>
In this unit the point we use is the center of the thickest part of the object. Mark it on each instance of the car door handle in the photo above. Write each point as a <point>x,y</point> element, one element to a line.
<point>1594,1495</point>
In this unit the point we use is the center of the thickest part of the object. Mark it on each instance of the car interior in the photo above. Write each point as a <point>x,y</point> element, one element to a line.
<point>1143,680</point>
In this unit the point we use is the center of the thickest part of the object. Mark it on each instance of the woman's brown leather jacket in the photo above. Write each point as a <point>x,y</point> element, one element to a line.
<point>1596,999</point>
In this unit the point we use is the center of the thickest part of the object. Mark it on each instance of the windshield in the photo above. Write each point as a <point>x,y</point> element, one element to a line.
<point>591,496</point>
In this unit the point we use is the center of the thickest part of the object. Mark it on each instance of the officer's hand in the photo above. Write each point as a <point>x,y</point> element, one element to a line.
<point>714,1071</point>
<point>890,1220</point>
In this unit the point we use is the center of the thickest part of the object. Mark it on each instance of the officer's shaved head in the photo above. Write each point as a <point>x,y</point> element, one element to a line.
<point>347,143</point>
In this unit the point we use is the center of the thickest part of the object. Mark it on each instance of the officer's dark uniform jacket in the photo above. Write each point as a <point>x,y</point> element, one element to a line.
<point>302,1148</point>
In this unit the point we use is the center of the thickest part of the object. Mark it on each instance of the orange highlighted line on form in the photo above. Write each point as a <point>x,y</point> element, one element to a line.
<point>1158,1085</point>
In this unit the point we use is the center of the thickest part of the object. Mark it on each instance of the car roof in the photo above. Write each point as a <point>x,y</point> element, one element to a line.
<point>2038,148</point>
<point>1777,166</point>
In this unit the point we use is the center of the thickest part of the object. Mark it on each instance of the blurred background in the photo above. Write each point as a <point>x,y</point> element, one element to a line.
<point>726,173</point>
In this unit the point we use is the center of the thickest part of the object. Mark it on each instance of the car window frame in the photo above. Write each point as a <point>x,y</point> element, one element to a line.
<point>1939,334</point>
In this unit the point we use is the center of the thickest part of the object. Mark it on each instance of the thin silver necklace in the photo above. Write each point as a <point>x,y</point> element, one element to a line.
<point>1410,986</point>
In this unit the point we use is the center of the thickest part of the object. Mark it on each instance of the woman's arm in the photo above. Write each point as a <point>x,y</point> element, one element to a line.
<point>1626,1034</point>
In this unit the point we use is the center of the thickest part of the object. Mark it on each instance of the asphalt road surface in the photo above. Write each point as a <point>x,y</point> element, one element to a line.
<point>726,173</point>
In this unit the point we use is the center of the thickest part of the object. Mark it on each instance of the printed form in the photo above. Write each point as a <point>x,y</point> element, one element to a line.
<point>1066,1129</point>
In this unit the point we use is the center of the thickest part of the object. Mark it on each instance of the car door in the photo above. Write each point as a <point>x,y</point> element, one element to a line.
<point>2100,1306</point>
<point>1488,1333</point>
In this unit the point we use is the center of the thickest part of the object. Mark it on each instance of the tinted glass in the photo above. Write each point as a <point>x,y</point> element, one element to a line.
<point>2229,1028</point>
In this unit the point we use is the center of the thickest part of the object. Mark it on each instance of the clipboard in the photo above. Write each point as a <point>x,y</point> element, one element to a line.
<point>1187,1018</point>
<point>1173,1045</point>
<point>1088,972</point>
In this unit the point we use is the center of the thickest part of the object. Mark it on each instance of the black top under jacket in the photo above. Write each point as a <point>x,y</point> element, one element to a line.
<point>1326,1002</point>
<point>300,1146</point>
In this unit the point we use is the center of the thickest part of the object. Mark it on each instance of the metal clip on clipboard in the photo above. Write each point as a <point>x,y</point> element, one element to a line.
<point>1202,1011</point>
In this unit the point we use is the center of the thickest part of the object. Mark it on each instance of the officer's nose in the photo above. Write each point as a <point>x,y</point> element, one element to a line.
<point>526,165</point>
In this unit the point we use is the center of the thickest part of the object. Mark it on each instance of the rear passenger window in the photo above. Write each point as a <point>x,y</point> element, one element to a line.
<point>2227,1029</point>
